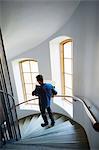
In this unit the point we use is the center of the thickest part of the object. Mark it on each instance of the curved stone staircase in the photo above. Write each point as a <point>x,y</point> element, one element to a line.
<point>66,134</point>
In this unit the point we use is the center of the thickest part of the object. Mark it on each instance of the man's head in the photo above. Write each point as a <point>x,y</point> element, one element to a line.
<point>39,79</point>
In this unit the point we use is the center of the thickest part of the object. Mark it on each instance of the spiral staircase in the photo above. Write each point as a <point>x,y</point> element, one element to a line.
<point>66,134</point>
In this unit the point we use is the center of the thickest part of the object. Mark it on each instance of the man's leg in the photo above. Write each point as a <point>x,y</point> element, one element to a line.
<point>51,116</point>
<point>43,113</point>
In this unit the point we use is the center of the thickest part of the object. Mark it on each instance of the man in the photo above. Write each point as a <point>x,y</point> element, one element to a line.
<point>45,91</point>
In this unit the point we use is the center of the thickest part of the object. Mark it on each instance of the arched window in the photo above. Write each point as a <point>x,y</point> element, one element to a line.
<point>67,67</point>
<point>61,56</point>
<point>29,71</point>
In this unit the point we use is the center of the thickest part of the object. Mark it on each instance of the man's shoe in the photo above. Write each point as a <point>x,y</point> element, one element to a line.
<point>52,124</point>
<point>44,124</point>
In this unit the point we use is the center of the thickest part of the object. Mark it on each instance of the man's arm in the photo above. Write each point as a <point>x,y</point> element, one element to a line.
<point>36,92</point>
<point>54,92</point>
<point>33,93</point>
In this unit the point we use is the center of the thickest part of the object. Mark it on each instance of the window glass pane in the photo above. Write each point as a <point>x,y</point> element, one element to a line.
<point>29,88</point>
<point>30,71</point>
<point>33,85</point>
<point>34,77</point>
<point>34,66</point>
<point>68,91</point>
<point>67,66</point>
<point>68,80</point>
<point>27,78</point>
<point>25,66</point>
<point>67,50</point>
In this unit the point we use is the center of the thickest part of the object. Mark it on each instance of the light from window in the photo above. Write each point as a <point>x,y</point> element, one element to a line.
<point>67,50</point>
<point>29,71</point>
<point>67,47</point>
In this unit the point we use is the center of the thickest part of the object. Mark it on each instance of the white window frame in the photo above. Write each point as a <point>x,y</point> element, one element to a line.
<point>63,73</point>
<point>22,73</point>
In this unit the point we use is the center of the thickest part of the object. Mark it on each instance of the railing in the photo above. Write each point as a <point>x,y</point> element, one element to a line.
<point>93,119</point>
<point>26,102</point>
<point>12,109</point>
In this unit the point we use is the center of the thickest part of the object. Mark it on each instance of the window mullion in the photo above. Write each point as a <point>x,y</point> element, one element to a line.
<point>23,82</point>
<point>31,75</point>
<point>65,58</point>
<point>26,72</point>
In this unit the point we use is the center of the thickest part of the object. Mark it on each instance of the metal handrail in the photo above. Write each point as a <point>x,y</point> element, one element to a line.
<point>88,111</point>
<point>1,91</point>
<point>25,102</point>
<point>13,106</point>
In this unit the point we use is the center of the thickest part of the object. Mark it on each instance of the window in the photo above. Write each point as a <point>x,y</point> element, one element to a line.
<point>29,71</point>
<point>66,64</point>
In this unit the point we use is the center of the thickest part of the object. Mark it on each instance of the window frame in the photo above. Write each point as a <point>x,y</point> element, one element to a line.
<point>25,94</point>
<point>63,84</point>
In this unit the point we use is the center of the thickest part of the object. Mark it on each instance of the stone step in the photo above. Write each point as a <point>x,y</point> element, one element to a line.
<point>42,130</point>
<point>51,130</point>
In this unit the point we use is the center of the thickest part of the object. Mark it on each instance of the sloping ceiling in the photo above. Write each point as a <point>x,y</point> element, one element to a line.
<point>25,24</point>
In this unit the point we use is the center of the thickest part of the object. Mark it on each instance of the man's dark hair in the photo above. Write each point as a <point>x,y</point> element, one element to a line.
<point>39,78</point>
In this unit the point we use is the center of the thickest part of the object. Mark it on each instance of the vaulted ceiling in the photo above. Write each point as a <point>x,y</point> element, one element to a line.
<point>27,23</point>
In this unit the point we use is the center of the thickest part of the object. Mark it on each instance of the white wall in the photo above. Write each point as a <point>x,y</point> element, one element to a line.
<point>85,32</point>
<point>55,62</point>
<point>83,28</point>
<point>41,54</point>
<point>27,23</point>
<point>81,117</point>
<point>91,69</point>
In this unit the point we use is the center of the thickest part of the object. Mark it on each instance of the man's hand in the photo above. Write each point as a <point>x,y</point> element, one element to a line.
<point>33,93</point>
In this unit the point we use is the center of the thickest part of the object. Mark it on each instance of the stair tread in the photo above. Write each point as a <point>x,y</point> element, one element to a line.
<point>32,125</point>
<point>66,134</point>
<point>57,137</point>
<point>46,147</point>
<point>38,127</point>
<point>25,125</point>
<point>46,130</point>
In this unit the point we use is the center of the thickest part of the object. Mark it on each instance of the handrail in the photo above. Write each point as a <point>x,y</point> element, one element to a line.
<point>88,111</point>
<point>25,102</point>
<point>1,91</point>
<point>13,106</point>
